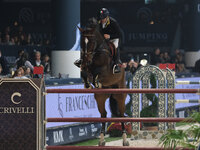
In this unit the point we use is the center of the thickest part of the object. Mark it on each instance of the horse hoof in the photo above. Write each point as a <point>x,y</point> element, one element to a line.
<point>90,87</point>
<point>126,143</point>
<point>98,85</point>
<point>102,143</point>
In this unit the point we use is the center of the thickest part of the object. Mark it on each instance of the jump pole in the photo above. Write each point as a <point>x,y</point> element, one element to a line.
<point>119,91</point>
<point>118,120</point>
<point>187,101</point>
<point>187,82</point>
<point>107,148</point>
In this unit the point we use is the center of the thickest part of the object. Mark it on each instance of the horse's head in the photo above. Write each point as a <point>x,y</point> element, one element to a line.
<point>89,39</point>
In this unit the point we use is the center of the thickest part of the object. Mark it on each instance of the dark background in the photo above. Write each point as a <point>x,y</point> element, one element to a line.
<point>175,22</point>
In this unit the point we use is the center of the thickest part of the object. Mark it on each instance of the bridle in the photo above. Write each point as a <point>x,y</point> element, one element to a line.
<point>89,51</point>
<point>92,49</point>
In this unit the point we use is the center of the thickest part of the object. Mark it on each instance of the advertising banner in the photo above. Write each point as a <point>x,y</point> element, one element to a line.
<point>20,113</point>
<point>72,133</point>
<point>72,105</point>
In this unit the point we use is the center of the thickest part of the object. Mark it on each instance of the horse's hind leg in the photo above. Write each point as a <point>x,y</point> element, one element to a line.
<point>101,98</point>
<point>121,106</point>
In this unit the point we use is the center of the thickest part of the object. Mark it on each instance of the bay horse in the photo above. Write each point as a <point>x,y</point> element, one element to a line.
<point>96,69</point>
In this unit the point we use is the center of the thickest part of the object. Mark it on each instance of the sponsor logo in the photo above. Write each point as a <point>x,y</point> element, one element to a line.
<point>12,98</point>
<point>58,136</point>
<point>71,136</point>
<point>84,102</point>
<point>93,129</point>
<point>83,131</point>
<point>16,110</point>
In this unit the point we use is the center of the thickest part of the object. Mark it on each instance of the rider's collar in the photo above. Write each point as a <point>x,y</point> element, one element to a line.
<point>107,22</point>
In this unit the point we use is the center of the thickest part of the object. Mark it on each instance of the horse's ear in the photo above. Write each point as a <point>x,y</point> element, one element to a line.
<point>94,20</point>
<point>80,29</point>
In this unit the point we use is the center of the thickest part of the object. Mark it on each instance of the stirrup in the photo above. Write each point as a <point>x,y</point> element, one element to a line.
<point>114,69</point>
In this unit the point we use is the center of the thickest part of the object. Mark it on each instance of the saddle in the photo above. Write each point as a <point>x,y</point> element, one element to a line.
<point>113,50</point>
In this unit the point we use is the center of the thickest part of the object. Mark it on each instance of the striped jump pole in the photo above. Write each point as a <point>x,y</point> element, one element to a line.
<point>187,82</point>
<point>119,91</point>
<point>188,101</point>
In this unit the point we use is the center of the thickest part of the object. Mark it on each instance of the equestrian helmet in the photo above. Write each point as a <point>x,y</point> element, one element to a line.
<point>103,13</point>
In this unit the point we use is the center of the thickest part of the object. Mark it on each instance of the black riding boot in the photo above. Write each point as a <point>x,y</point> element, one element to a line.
<point>116,68</point>
<point>78,62</point>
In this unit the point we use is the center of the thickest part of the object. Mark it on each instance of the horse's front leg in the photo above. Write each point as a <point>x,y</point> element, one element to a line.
<point>102,141</point>
<point>96,82</point>
<point>100,99</point>
<point>95,73</point>
<point>84,76</point>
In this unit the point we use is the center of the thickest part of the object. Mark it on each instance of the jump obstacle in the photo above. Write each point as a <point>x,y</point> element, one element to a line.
<point>114,119</point>
<point>166,79</point>
<point>17,91</point>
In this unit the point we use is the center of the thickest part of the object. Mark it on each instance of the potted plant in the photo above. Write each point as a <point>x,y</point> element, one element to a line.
<point>174,138</point>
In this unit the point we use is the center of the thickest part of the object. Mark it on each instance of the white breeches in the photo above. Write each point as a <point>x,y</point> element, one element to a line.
<point>115,42</point>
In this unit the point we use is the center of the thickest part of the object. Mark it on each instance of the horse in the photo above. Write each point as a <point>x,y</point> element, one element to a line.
<point>96,68</point>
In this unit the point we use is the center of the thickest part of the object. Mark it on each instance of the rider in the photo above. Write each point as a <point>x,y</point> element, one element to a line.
<point>111,32</point>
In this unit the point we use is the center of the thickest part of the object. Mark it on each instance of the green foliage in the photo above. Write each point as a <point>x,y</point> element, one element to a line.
<point>196,117</point>
<point>149,111</point>
<point>173,138</point>
<point>153,81</point>
<point>152,110</point>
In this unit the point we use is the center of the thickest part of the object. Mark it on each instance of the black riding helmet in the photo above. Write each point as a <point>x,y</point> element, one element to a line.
<point>103,13</point>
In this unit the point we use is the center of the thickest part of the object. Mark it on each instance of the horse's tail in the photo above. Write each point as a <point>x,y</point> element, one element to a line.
<point>114,107</point>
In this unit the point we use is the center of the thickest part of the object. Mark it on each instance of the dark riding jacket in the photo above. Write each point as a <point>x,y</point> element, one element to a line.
<point>112,28</point>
